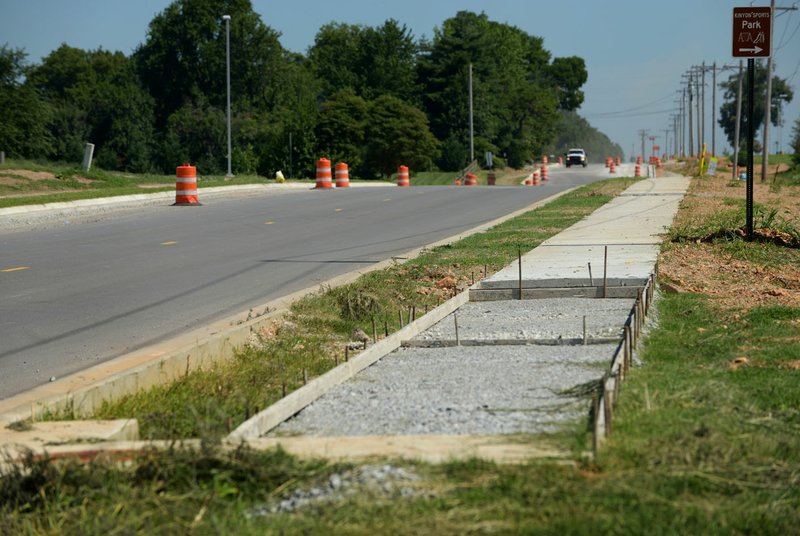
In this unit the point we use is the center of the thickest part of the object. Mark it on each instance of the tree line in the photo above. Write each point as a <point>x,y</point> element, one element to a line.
<point>374,97</point>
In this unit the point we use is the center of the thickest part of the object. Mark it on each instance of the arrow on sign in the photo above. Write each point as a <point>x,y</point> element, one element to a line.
<point>754,50</point>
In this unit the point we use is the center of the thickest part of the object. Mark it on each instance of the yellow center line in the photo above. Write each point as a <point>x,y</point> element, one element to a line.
<point>388,199</point>
<point>17,269</point>
<point>338,210</point>
<point>268,222</point>
<point>168,243</point>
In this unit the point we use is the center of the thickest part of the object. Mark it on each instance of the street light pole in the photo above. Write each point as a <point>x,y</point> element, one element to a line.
<point>227,19</point>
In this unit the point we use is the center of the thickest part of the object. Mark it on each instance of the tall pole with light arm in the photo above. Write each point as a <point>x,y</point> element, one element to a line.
<point>227,19</point>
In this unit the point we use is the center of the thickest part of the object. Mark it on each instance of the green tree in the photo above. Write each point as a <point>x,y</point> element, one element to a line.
<point>397,134</point>
<point>96,96</point>
<point>796,143</point>
<point>341,129</point>
<point>183,64</point>
<point>196,134</point>
<point>569,75</point>
<point>781,93</point>
<point>516,88</point>
<point>369,61</point>
<point>25,116</point>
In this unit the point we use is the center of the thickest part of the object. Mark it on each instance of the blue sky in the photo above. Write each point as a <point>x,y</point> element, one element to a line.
<point>635,50</point>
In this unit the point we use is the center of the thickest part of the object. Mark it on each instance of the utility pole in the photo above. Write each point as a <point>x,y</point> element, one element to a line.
<point>471,135</point>
<point>714,110</point>
<point>768,104</point>
<point>643,133</point>
<point>697,116</point>
<point>676,124</point>
<point>703,100</point>
<point>683,122</point>
<point>691,140</point>
<point>666,141</point>
<point>227,19</point>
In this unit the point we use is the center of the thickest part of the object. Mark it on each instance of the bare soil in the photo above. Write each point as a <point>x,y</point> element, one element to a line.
<point>734,284</point>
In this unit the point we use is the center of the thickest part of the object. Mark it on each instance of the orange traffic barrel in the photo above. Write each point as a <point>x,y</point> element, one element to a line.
<point>529,181</point>
<point>342,175</point>
<point>458,182</point>
<point>491,178</point>
<point>470,179</point>
<point>402,176</point>
<point>560,160</point>
<point>638,160</point>
<point>186,186</point>
<point>535,179</point>
<point>637,171</point>
<point>619,160</point>
<point>612,168</point>
<point>544,173</point>
<point>324,173</point>
<point>544,159</point>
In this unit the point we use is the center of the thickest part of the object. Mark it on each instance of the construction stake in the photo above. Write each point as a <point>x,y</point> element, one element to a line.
<point>519,258</point>
<point>455,321</point>
<point>605,272</point>
<point>584,330</point>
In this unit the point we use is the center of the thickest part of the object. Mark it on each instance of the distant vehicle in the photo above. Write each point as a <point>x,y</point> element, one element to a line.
<point>576,157</point>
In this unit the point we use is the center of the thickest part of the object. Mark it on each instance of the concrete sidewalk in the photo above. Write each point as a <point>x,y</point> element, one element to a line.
<point>631,227</point>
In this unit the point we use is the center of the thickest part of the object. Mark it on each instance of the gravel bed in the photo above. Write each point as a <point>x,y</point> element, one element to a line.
<point>560,318</point>
<point>457,391</point>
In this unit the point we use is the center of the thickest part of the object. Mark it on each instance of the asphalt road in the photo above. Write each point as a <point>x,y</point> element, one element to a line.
<point>75,295</point>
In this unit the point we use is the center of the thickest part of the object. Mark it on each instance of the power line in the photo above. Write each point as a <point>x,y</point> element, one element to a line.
<point>632,109</point>
<point>626,116</point>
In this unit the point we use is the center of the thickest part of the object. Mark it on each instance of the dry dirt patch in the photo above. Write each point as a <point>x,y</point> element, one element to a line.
<point>30,175</point>
<point>733,284</point>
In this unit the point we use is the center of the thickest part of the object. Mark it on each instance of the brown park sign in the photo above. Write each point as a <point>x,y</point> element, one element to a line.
<point>752,28</point>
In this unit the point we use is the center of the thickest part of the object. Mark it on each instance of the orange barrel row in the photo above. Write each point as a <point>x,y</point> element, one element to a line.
<point>637,171</point>
<point>186,186</point>
<point>470,179</point>
<point>544,173</point>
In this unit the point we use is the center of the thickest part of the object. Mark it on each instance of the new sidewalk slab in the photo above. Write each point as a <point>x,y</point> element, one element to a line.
<point>631,227</point>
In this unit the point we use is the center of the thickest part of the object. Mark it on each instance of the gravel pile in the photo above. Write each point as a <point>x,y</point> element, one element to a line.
<point>378,481</point>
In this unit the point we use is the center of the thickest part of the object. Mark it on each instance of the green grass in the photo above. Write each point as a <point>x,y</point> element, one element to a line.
<point>698,448</point>
<point>70,183</point>
<point>211,403</point>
